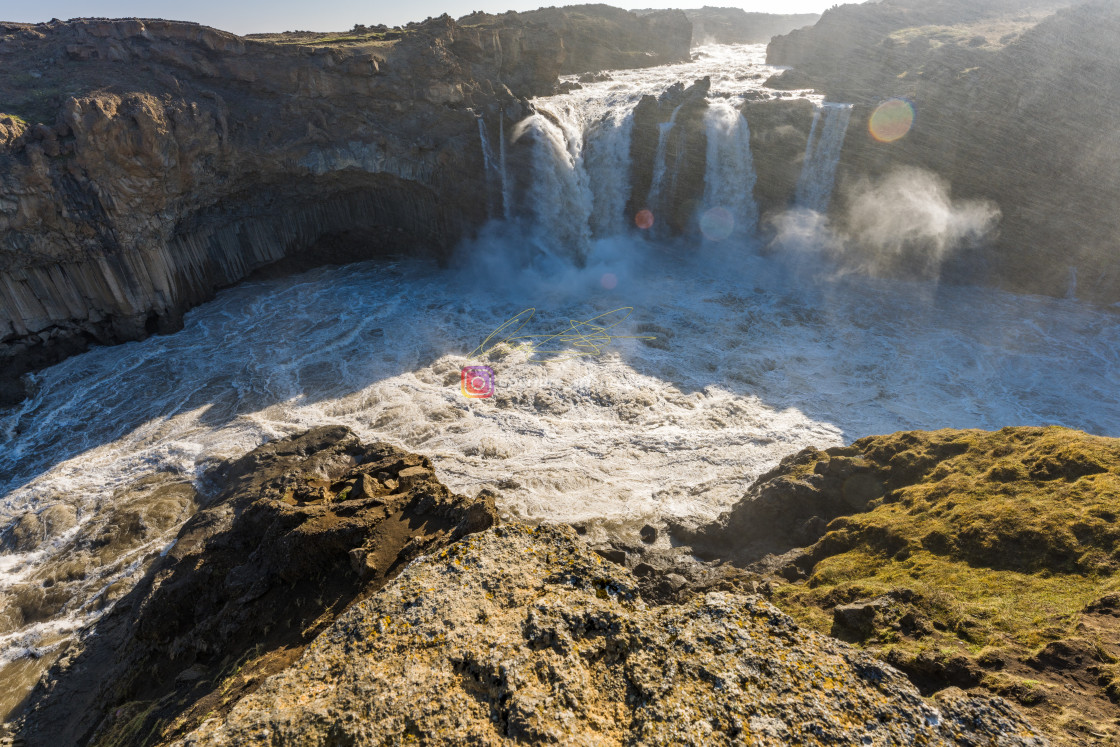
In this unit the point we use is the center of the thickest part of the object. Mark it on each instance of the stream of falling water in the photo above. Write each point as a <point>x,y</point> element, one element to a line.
<point>822,156</point>
<point>749,359</point>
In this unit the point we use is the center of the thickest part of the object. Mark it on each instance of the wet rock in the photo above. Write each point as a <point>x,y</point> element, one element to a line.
<point>24,534</point>
<point>27,532</point>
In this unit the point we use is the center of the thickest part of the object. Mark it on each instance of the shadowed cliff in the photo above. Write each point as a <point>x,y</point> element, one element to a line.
<point>1015,103</point>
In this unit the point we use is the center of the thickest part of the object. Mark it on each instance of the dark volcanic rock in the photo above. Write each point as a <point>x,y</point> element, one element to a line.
<point>299,528</point>
<point>682,186</point>
<point>791,505</point>
<point>779,132</point>
<point>601,37</point>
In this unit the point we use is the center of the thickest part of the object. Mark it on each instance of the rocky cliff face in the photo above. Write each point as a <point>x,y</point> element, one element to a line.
<point>736,26</point>
<point>144,164</point>
<point>600,37</point>
<point>670,183</point>
<point>1014,104</point>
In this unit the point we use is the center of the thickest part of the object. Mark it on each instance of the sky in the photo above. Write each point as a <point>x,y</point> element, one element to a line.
<point>252,16</point>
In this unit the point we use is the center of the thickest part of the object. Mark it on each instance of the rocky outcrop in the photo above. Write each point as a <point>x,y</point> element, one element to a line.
<point>968,559</point>
<point>295,532</point>
<point>667,163</point>
<point>600,37</point>
<point>1013,106</point>
<point>779,133</point>
<point>521,634</point>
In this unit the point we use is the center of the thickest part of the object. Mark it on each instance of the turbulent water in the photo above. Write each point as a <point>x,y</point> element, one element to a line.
<point>721,362</point>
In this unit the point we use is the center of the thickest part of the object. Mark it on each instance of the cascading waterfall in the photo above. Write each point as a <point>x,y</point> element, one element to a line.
<point>608,171</point>
<point>659,161</point>
<point>560,200</point>
<point>822,156</point>
<point>507,197</point>
<point>729,174</point>
<point>491,166</point>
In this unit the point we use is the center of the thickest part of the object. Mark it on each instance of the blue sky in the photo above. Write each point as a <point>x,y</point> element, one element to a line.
<point>328,15</point>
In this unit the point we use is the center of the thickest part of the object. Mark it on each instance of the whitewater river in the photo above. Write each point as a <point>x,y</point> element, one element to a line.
<point>749,358</point>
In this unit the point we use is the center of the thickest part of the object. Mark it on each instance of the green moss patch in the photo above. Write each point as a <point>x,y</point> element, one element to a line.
<point>983,542</point>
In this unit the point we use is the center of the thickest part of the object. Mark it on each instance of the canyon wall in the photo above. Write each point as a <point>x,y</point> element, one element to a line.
<point>601,37</point>
<point>1015,104</point>
<point>146,163</point>
<point>736,26</point>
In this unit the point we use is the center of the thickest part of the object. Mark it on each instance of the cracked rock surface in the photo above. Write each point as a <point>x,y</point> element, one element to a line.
<point>525,634</point>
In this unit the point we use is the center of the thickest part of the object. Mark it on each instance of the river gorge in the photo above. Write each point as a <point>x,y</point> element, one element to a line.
<point>703,278</point>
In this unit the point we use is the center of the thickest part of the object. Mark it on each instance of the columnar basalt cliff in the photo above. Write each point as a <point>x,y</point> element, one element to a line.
<point>145,164</point>
<point>602,37</point>
<point>1015,103</point>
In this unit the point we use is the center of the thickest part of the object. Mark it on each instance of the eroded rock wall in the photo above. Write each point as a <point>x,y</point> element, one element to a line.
<point>177,159</point>
<point>1015,104</point>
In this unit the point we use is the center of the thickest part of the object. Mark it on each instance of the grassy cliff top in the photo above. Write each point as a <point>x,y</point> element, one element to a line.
<point>990,560</point>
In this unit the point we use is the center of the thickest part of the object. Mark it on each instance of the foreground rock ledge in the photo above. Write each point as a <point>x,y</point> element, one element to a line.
<point>298,529</point>
<point>524,634</point>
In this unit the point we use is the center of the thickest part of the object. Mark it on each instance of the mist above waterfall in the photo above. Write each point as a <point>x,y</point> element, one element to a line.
<point>906,224</point>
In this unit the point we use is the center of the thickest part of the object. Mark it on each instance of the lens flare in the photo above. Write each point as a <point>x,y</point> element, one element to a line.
<point>891,120</point>
<point>717,224</point>
<point>644,219</point>
<point>609,281</point>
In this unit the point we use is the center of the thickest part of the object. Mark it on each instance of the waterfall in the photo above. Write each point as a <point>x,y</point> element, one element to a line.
<point>1071,287</point>
<point>491,167</point>
<point>608,171</point>
<point>729,175</point>
<point>822,155</point>
<point>507,197</point>
<point>659,165</point>
<point>560,200</point>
